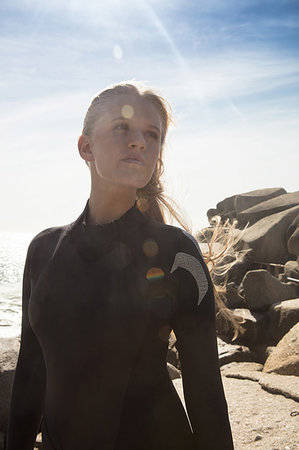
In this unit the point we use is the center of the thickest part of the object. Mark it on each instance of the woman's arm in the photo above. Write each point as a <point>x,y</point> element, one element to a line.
<point>29,381</point>
<point>194,327</point>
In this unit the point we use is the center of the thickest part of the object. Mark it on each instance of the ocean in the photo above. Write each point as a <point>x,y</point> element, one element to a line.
<point>13,250</point>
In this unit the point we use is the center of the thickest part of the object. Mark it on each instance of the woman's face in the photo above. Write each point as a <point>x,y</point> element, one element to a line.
<point>125,142</point>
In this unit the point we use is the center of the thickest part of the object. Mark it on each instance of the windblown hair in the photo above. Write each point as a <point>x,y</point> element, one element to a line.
<point>151,199</point>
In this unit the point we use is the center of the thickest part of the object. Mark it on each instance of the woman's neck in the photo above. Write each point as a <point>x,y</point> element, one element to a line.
<point>104,208</point>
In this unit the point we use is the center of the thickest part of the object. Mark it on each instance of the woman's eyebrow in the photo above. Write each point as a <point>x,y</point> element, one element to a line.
<point>119,118</point>
<point>124,118</point>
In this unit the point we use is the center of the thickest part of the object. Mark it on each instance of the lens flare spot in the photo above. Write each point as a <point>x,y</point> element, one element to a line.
<point>150,247</point>
<point>127,111</point>
<point>155,273</point>
<point>117,52</point>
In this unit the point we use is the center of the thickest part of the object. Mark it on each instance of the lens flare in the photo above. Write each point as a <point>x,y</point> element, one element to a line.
<point>117,52</point>
<point>127,112</point>
<point>155,273</point>
<point>150,247</point>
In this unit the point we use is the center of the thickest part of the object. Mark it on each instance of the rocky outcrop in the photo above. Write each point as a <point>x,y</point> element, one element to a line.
<point>282,317</point>
<point>284,359</point>
<point>287,385</point>
<point>231,206</point>
<point>266,239</point>
<point>260,290</point>
<point>267,208</point>
<point>293,237</point>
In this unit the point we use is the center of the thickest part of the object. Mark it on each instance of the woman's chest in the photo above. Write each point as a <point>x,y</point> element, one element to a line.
<point>116,294</point>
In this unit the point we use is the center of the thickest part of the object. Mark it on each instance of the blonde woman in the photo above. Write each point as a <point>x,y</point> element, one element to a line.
<point>101,296</point>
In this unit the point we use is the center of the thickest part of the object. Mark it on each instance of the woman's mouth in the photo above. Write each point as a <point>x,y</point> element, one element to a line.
<point>133,161</point>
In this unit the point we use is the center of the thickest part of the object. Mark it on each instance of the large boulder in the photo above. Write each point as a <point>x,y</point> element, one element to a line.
<point>267,208</point>
<point>284,359</point>
<point>248,199</point>
<point>9,349</point>
<point>261,289</point>
<point>282,317</point>
<point>293,237</point>
<point>267,238</point>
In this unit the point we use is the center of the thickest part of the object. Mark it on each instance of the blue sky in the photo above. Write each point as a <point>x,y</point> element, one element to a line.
<point>230,70</point>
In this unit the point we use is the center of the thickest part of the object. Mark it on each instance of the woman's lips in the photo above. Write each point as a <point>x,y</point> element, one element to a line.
<point>133,161</point>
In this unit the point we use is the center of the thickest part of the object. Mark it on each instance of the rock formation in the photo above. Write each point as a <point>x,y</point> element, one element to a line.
<point>263,286</point>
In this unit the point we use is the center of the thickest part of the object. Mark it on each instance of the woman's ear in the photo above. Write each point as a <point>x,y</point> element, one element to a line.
<point>84,148</point>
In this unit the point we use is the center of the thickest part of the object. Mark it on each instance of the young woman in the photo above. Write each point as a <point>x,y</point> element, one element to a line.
<point>101,296</point>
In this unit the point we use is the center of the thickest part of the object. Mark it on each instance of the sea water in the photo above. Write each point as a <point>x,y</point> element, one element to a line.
<point>13,250</point>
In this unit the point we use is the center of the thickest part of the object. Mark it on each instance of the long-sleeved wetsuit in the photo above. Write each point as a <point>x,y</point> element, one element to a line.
<point>99,303</point>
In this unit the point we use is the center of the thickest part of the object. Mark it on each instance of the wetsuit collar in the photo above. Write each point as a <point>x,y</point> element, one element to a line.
<point>91,240</point>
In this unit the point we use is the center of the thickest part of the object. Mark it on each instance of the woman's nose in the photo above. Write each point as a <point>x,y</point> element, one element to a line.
<point>137,140</point>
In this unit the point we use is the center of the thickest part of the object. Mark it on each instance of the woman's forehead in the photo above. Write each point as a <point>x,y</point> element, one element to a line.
<point>129,106</point>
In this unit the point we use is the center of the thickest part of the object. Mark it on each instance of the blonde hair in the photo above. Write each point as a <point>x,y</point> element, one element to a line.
<point>151,199</point>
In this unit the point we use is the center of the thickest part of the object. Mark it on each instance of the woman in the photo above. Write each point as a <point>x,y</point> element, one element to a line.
<point>101,296</point>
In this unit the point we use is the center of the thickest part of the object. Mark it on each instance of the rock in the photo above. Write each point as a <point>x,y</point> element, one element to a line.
<point>9,350</point>
<point>229,353</point>
<point>284,360</point>
<point>282,317</point>
<point>261,352</point>
<point>172,353</point>
<point>233,298</point>
<point>291,269</point>
<point>293,237</point>
<point>253,328</point>
<point>212,212</point>
<point>238,270</point>
<point>172,356</point>
<point>286,385</point>
<point>248,199</point>
<point>173,372</point>
<point>261,289</point>
<point>267,208</point>
<point>267,237</point>
<point>230,206</point>
<point>226,206</point>
<point>243,370</point>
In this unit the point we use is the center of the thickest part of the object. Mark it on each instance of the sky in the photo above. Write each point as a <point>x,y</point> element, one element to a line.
<point>230,70</point>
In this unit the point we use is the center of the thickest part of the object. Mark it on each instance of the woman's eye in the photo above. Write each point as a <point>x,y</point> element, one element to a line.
<point>152,134</point>
<point>122,126</point>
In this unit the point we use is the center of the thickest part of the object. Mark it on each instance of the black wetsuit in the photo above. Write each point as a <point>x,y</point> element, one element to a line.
<point>98,306</point>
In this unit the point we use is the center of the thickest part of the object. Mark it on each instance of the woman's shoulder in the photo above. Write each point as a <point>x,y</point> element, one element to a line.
<point>182,240</point>
<point>45,242</point>
<point>47,235</point>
